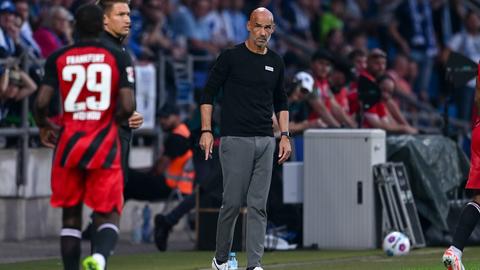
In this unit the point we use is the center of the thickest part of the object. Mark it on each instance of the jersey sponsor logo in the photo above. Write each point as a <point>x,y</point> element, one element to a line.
<point>130,75</point>
<point>269,68</point>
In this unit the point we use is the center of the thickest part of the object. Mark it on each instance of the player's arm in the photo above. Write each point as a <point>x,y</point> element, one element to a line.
<point>48,130</point>
<point>126,95</point>
<point>42,102</point>
<point>126,104</point>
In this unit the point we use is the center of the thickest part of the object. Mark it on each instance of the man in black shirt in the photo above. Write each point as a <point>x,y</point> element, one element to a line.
<point>117,26</point>
<point>251,76</point>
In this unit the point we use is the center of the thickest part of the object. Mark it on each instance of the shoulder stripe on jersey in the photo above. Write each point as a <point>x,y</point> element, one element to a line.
<point>111,156</point>
<point>93,147</point>
<point>70,144</point>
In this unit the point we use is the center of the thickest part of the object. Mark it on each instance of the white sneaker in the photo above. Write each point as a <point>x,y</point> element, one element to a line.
<point>216,266</point>
<point>452,259</point>
<point>258,268</point>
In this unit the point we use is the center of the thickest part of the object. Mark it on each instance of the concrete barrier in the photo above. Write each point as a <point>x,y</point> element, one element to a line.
<point>25,212</point>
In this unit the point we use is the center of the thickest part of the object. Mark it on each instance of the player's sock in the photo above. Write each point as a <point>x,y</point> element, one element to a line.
<point>468,219</point>
<point>105,239</point>
<point>70,241</point>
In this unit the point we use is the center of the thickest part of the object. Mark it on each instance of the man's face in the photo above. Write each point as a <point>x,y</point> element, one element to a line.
<point>321,68</point>
<point>22,9</point>
<point>117,20</point>
<point>360,63</point>
<point>377,66</point>
<point>261,28</point>
<point>6,20</point>
<point>167,122</point>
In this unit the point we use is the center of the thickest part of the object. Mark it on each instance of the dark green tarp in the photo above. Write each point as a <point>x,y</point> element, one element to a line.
<point>437,168</point>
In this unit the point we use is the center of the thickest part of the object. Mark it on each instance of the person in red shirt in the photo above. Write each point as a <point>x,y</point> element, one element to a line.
<point>358,59</point>
<point>96,88</point>
<point>323,103</point>
<point>385,114</point>
<point>375,93</point>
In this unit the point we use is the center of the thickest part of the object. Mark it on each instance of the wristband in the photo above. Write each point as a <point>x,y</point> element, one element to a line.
<point>206,131</point>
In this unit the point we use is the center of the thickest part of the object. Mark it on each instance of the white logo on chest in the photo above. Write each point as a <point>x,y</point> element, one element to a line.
<point>269,68</point>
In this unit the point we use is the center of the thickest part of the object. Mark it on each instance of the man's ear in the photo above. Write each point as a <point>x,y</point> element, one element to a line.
<point>249,27</point>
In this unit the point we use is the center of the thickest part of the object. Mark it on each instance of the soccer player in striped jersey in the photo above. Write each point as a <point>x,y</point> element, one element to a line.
<point>95,83</point>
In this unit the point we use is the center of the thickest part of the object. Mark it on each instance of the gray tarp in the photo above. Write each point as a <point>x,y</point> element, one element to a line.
<point>437,167</point>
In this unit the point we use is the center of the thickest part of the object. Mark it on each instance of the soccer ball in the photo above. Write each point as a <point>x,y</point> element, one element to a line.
<point>396,244</point>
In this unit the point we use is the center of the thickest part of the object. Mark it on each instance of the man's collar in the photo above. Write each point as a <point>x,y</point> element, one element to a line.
<point>118,40</point>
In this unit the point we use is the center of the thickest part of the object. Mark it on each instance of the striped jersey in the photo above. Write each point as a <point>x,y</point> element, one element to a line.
<point>88,77</point>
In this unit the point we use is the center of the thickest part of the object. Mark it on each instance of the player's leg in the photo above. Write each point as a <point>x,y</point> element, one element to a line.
<point>467,222</point>
<point>105,239</point>
<point>469,217</point>
<point>67,192</point>
<point>470,213</point>
<point>104,194</point>
<point>70,237</point>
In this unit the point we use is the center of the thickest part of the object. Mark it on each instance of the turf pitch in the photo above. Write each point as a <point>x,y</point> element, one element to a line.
<point>421,259</point>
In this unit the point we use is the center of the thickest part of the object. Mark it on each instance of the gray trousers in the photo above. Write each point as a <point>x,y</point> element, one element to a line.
<point>247,171</point>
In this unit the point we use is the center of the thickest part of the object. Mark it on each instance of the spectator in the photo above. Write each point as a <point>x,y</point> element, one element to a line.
<point>341,75</point>
<point>15,85</point>
<point>219,26</point>
<point>238,20</point>
<point>298,14</point>
<point>201,42</point>
<point>335,43</point>
<point>368,90</point>
<point>302,87</point>
<point>399,73</point>
<point>324,105</point>
<point>358,59</point>
<point>182,22</point>
<point>385,114</point>
<point>466,42</point>
<point>56,31</point>
<point>358,39</point>
<point>332,19</point>
<point>416,39</point>
<point>8,46</point>
<point>26,33</point>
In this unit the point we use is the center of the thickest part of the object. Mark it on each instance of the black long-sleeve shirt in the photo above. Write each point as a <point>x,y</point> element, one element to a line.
<point>252,89</point>
<point>117,43</point>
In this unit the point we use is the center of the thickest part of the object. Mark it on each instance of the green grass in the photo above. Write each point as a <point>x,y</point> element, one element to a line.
<point>423,259</point>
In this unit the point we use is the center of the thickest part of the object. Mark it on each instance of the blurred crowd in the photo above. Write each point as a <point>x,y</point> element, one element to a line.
<point>330,40</point>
